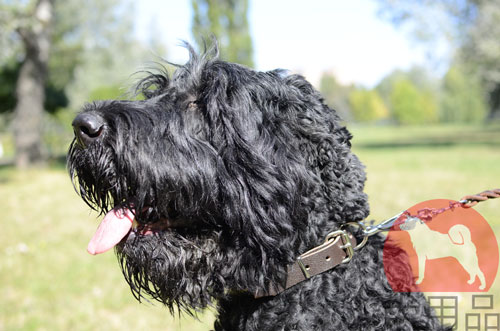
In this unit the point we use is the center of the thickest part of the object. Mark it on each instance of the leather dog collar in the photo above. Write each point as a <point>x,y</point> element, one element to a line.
<point>338,248</point>
<point>340,245</point>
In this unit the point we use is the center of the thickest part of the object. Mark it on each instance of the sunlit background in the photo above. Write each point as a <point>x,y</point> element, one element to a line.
<point>417,83</point>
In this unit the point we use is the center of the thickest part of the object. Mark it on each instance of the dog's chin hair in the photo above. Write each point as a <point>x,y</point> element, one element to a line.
<point>99,188</point>
<point>172,269</point>
<point>95,178</point>
<point>189,271</point>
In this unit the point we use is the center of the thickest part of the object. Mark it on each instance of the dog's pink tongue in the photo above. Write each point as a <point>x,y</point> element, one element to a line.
<point>113,228</point>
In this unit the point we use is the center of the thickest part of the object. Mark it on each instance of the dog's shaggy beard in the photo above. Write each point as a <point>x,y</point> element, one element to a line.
<point>187,269</point>
<point>94,176</point>
<point>178,269</point>
<point>181,268</point>
<point>184,267</point>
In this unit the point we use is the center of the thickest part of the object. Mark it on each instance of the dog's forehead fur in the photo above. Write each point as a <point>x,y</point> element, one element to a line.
<point>255,165</point>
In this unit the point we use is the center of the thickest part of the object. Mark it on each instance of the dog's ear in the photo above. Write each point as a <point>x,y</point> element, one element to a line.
<point>260,168</point>
<point>327,146</point>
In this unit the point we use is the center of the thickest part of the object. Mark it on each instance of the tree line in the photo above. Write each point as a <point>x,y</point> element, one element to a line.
<point>412,97</point>
<point>471,32</point>
<point>57,54</point>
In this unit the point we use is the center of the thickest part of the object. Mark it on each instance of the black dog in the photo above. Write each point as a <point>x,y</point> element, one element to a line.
<point>231,175</point>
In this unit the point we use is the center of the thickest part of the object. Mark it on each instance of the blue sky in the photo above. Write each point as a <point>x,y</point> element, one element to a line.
<point>306,36</point>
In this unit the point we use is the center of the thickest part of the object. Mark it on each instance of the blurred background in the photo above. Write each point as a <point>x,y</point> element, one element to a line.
<point>417,82</point>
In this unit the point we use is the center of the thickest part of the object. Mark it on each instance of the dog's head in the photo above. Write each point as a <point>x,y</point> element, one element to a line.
<point>229,173</point>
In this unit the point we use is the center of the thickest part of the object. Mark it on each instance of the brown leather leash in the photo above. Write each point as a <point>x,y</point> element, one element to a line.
<point>340,245</point>
<point>472,200</point>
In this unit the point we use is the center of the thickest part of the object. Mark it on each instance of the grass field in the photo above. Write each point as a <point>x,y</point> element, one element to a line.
<point>49,282</point>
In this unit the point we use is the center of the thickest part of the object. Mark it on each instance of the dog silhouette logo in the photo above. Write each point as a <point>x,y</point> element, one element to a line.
<point>455,250</point>
<point>457,243</point>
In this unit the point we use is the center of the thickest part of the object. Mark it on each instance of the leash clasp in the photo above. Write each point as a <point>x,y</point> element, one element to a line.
<point>370,230</point>
<point>384,226</point>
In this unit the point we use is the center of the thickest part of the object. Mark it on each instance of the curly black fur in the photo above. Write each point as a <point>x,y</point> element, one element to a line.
<point>253,169</point>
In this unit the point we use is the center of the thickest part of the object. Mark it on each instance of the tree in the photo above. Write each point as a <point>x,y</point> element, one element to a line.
<point>336,95</point>
<point>386,86</point>
<point>34,35</point>
<point>227,21</point>
<point>420,77</point>
<point>462,99</point>
<point>55,96</point>
<point>469,26</point>
<point>367,106</point>
<point>420,86</point>
<point>8,77</point>
<point>410,105</point>
<point>57,50</point>
<point>481,50</point>
<point>36,65</point>
<point>110,55</point>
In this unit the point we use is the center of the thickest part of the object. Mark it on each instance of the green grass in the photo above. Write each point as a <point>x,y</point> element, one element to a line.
<point>49,282</point>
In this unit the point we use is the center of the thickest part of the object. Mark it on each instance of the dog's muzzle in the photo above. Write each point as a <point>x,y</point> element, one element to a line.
<point>88,127</point>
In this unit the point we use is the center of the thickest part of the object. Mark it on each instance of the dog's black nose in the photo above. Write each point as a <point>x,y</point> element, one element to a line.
<point>88,127</point>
